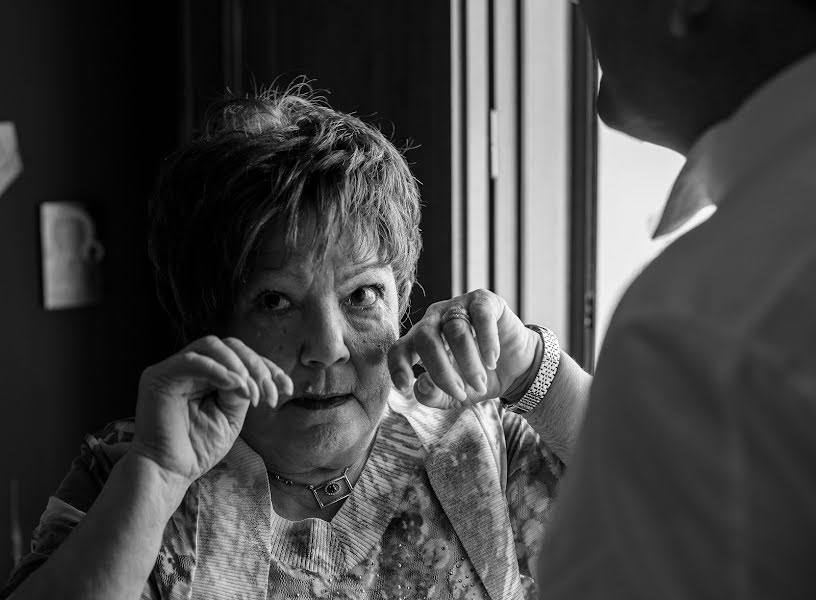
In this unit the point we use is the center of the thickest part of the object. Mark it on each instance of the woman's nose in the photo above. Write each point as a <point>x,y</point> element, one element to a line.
<point>324,342</point>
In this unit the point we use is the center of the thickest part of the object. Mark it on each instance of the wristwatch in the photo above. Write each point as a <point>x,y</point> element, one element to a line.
<point>545,375</point>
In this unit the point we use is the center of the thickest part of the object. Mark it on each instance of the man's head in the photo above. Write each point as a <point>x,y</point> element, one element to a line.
<point>673,68</point>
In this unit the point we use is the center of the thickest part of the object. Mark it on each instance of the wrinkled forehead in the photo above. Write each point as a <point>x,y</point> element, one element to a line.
<point>312,240</point>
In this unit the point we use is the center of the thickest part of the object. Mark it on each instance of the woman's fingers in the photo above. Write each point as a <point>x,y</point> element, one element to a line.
<point>459,343</point>
<point>427,393</point>
<point>425,342</point>
<point>221,352</point>
<point>429,345</point>
<point>206,369</point>
<point>227,365</point>
<point>459,337</point>
<point>485,310</point>
<point>271,380</point>
<point>468,328</point>
<point>261,379</point>
<point>283,381</point>
<point>401,359</point>
<point>283,385</point>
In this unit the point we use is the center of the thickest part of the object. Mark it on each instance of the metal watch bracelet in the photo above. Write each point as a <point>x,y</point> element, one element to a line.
<point>545,375</point>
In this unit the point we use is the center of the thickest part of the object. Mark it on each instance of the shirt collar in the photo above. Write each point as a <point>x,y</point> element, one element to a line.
<point>763,126</point>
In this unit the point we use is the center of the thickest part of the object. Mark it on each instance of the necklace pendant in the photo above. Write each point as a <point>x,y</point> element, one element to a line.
<point>332,491</point>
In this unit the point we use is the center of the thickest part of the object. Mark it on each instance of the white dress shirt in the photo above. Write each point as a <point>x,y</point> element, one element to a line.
<point>695,474</point>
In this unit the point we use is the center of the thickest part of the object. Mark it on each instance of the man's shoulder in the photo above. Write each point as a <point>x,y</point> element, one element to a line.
<point>749,265</point>
<point>732,298</point>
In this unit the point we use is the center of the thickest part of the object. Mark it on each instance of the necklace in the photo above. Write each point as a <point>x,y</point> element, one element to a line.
<point>326,493</point>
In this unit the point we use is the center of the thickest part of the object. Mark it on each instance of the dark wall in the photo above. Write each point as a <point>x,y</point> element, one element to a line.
<point>92,89</point>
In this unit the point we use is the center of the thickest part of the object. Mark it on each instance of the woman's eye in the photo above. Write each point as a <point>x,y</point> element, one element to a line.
<point>273,301</point>
<point>364,297</point>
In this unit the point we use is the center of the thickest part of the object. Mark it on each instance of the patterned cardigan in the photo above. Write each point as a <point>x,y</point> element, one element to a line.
<point>486,468</point>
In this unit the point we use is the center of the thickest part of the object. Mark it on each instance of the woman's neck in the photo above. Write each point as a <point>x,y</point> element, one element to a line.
<point>298,495</point>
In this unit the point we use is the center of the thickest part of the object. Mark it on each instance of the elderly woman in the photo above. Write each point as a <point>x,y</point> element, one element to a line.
<point>272,457</point>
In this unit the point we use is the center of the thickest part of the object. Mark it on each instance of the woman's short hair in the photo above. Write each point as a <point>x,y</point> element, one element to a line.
<point>275,158</point>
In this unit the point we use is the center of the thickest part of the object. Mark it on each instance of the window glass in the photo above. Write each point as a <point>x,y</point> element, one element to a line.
<point>634,180</point>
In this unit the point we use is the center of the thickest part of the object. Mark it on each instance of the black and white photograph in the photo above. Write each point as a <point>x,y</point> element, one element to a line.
<point>408,300</point>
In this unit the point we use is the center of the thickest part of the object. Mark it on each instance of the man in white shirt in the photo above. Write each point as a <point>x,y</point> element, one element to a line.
<point>695,474</point>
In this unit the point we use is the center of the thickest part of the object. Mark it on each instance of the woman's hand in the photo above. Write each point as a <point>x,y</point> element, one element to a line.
<point>192,406</point>
<point>464,364</point>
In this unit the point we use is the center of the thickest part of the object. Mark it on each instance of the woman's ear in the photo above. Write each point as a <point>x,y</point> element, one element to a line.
<point>685,13</point>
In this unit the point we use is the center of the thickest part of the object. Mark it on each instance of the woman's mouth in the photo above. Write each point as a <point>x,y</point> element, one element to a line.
<point>320,402</point>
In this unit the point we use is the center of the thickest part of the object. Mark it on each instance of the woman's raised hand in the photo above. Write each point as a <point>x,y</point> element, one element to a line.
<point>192,405</point>
<point>472,347</point>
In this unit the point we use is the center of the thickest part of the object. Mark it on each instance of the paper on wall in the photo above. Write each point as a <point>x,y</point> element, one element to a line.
<point>11,165</point>
<point>72,256</point>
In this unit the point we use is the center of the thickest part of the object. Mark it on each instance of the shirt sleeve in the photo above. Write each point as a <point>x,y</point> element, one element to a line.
<point>693,475</point>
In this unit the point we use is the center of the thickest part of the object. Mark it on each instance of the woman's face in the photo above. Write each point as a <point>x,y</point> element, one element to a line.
<point>328,321</point>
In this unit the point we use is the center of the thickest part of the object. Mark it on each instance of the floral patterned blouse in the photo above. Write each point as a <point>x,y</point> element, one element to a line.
<point>450,505</point>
